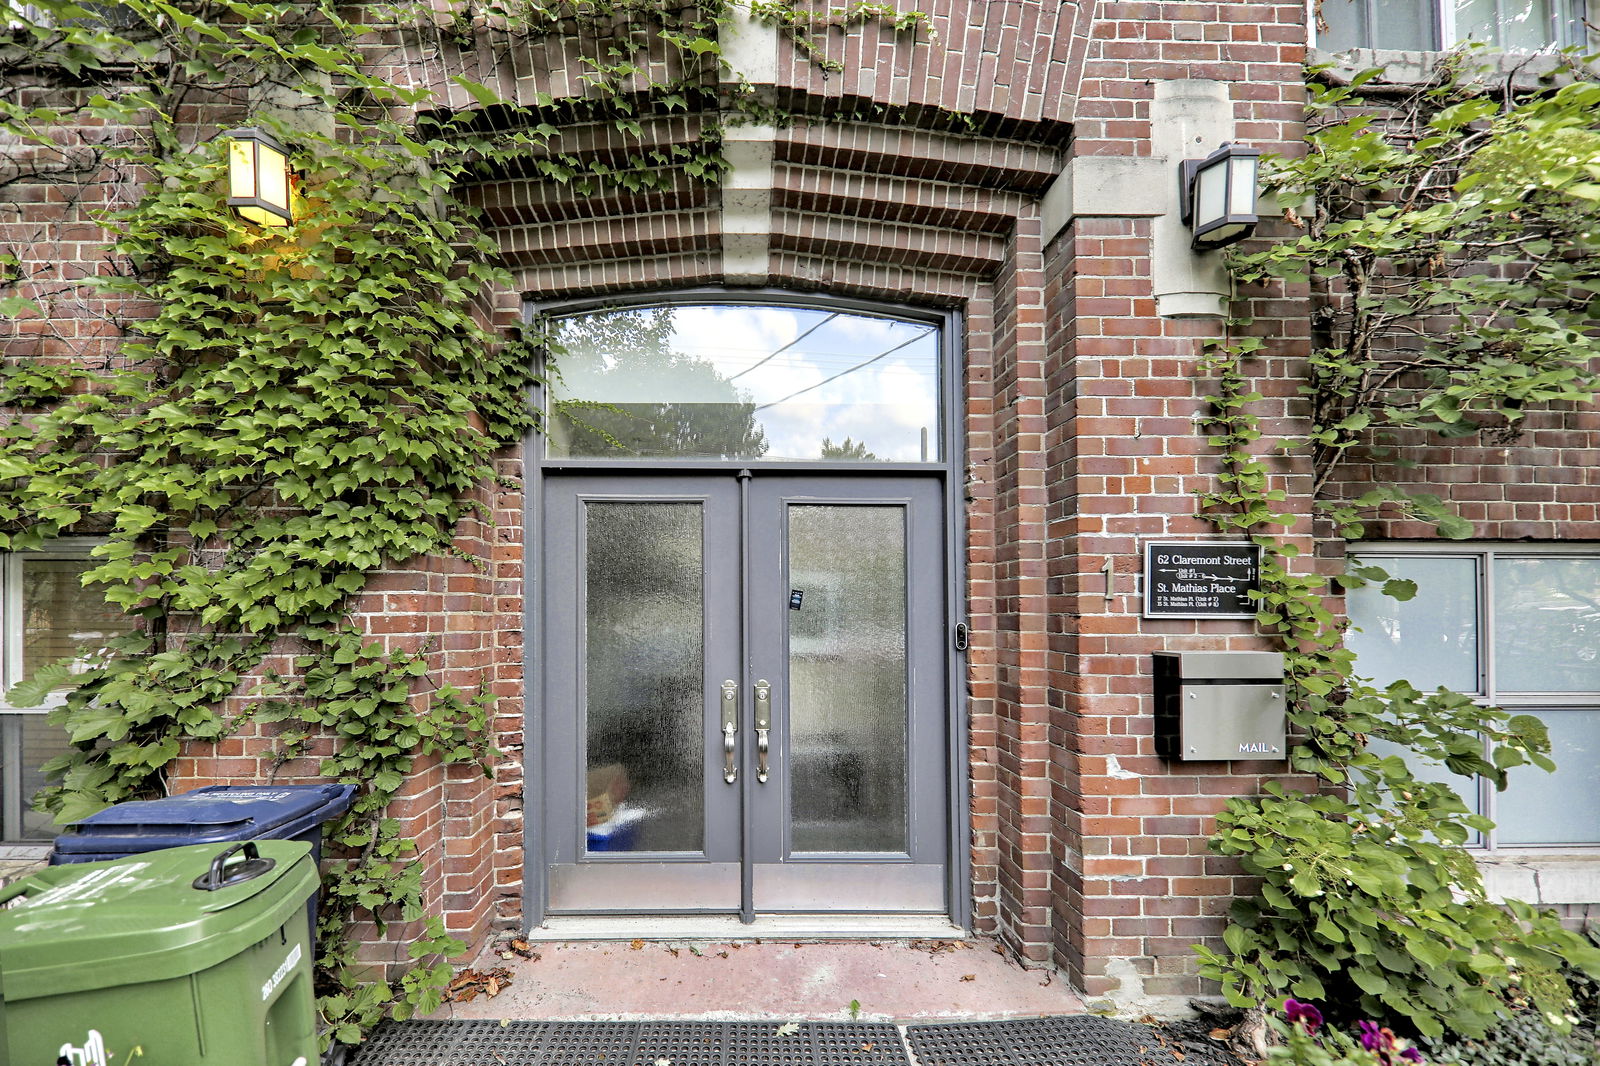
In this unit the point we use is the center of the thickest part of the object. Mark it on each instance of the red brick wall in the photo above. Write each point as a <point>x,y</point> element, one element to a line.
<point>1132,880</point>
<point>1542,484</point>
<point>1078,426</point>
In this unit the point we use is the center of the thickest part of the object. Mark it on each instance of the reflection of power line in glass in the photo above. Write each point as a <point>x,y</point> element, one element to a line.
<point>743,360</point>
<point>785,348</point>
<point>820,360</point>
<point>842,373</point>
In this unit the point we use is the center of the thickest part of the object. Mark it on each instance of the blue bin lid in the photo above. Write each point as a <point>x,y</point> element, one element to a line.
<point>204,816</point>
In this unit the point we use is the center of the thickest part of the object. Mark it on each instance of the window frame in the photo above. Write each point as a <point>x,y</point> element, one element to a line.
<point>949,437</point>
<point>1484,554</point>
<point>1565,28</point>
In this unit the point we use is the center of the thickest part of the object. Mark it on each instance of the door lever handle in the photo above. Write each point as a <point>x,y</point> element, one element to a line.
<point>763,726</point>
<point>730,727</point>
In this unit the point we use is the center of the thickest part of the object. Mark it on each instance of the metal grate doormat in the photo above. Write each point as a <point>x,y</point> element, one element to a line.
<point>1074,1040</point>
<point>488,1043</point>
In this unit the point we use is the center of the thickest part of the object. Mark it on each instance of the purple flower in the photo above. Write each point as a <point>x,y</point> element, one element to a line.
<point>1304,1015</point>
<point>1411,1054</point>
<point>1371,1035</point>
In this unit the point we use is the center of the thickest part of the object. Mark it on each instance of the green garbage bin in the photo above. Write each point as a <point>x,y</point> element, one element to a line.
<point>194,955</point>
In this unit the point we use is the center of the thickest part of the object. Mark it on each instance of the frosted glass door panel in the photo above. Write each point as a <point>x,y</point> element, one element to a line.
<point>1559,808</point>
<point>847,678</point>
<point>1547,624</point>
<point>744,382</point>
<point>644,579</point>
<point>1428,640</point>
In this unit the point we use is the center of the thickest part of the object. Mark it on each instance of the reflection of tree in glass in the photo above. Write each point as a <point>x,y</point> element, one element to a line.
<point>64,621</point>
<point>854,451</point>
<point>636,345</point>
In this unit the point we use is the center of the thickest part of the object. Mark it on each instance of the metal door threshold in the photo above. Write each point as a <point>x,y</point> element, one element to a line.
<point>729,927</point>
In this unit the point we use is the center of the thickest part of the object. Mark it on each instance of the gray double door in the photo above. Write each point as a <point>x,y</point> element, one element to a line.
<point>745,706</point>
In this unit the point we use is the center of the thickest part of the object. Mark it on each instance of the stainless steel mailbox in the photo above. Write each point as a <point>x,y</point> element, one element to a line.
<point>1214,705</point>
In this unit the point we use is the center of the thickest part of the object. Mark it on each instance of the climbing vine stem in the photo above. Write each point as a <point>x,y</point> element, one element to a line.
<point>268,418</point>
<point>1453,260</point>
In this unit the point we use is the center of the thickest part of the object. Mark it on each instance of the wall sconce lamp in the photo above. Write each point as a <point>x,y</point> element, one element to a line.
<point>258,177</point>
<point>1218,196</point>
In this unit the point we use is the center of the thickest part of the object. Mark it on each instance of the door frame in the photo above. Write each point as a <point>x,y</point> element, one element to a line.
<point>535,873</point>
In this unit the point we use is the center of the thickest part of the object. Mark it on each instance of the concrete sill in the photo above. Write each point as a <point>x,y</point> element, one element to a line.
<point>1548,880</point>
<point>1527,70</point>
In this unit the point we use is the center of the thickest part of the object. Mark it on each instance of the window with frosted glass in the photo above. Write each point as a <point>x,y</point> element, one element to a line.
<point>1518,25</point>
<point>1563,807</point>
<point>743,381</point>
<point>1401,24</point>
<point>1430,639</point>
<point>1424,25</point>
<point>1521,630</point>
<point>1546,624</point>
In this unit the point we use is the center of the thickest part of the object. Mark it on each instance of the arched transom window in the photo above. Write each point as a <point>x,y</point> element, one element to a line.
<point>744,381</point>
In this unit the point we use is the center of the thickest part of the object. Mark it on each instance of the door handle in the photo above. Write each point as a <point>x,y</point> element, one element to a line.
<point>763,726</point>
<point>730,727</point>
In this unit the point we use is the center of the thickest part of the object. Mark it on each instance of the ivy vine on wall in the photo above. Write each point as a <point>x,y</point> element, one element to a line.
<point>283,413</point>
<point>1452,245</point>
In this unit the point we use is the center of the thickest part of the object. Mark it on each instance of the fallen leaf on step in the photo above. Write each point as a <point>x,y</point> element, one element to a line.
<point>969,977</point>
<point>465,986</point>
<point>637,945</point>
<point>788,1029</point>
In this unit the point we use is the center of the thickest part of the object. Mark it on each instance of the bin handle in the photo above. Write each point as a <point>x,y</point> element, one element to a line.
<point>251,865</point>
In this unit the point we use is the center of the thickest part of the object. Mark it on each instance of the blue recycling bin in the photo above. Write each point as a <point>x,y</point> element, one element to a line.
<point>218,813</point>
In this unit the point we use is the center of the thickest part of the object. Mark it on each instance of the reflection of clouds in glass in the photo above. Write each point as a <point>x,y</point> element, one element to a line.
<point>811,373</point>
<point>836,382</point>
<point>883,401</point>
<point>890,432</point>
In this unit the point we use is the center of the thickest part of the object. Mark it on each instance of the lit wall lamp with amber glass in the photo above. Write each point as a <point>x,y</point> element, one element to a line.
<point>258,177</point>
<point>1218,196</point>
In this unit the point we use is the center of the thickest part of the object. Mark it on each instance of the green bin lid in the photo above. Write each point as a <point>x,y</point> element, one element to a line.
<point>142,919</point>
